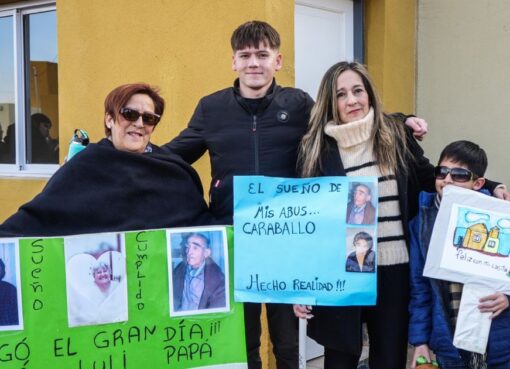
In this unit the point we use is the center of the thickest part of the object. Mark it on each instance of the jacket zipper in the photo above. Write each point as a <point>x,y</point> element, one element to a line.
<point>255,144</point>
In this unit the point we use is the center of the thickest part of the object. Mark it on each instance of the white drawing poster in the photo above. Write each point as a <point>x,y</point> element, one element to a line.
<point>471,240</point>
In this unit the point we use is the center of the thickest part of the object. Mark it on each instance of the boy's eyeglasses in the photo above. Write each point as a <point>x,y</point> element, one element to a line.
<point>132,115</point>
<point>457,174</point>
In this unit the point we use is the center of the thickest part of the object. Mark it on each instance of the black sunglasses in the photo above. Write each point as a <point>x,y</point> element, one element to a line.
<point>132,115</point>
<point>457,174</point>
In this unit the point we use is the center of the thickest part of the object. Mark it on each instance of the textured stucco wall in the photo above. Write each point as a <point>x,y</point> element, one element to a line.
<point>463,81</point>
<point>390,27</point>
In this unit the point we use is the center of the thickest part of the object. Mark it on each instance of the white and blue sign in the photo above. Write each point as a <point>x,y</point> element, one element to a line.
<point>306,241</point>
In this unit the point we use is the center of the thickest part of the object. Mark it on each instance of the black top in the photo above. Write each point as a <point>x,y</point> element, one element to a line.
<point>104,189</point>
<point>244,143</point>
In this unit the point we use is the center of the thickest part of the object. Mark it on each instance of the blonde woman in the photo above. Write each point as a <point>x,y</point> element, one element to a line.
<point>349,135</point>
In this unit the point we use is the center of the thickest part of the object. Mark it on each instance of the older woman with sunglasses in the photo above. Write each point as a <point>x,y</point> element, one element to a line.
<point>123,182</point>
<point>349,135</point>
<point>124,107</point>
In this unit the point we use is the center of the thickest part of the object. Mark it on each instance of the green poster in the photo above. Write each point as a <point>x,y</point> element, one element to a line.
<point>123,301</point>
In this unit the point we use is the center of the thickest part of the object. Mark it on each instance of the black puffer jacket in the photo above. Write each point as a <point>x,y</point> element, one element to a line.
<point>242,142</point>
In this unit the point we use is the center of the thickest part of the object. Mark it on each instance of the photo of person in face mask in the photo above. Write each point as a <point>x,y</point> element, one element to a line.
<point>362,259</point>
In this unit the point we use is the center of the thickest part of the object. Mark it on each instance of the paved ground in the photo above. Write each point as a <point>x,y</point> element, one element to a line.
<point>319,362</point>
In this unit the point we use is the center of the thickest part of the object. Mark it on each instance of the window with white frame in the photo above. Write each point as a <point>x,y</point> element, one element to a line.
<point>28,89</point>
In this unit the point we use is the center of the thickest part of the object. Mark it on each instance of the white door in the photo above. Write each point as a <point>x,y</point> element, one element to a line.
<point>323,36</point>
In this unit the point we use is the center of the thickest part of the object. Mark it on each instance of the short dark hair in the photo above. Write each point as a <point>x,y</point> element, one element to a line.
<point>252,33</point>
<point>364,236</point>
<point>119,96</point>
<point>467,153</point>
<point>39,118</point>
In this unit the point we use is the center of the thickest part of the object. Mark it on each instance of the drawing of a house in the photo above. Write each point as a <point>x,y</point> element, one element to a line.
<point>476,236</point>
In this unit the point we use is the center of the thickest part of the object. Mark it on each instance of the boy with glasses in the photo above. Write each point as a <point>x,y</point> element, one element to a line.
<point>434,303</point>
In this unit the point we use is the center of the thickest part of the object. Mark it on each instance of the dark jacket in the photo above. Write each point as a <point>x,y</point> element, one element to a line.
<point>8,304</point>
<point>242,142</point>
<point>213,295</point>
<point>103,189</point>
<point>340,327</point>
<point>429,323</point>
<point>351,265</point>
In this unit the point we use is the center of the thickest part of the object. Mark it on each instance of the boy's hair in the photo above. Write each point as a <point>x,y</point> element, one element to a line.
<point>252,33</point>
<point>467,153</point>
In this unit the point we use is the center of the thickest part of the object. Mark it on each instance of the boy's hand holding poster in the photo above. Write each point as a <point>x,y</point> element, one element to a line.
<point>470,244</point>
<point>108,301</point>
<point>307,241</point>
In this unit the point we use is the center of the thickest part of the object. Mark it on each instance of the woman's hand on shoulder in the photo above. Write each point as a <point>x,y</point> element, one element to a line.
<point>419,127</point>
<point>302,311</point>
<point>500,192</point>
<point>495,304</point>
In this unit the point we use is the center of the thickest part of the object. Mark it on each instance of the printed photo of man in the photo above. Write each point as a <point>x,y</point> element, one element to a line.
<point>360,209</point>
<point>198,282</point>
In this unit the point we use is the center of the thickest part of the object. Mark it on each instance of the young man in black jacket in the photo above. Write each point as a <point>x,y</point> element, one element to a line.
<point>252,128</point>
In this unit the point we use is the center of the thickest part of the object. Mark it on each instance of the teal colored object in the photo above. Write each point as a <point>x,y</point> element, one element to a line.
<point>504,244</point>
<point>279,226</point>
<point>458,238</point>
<point>79,141</point>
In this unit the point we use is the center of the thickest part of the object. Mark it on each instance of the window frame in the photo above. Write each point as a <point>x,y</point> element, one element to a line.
<point>17,12</point>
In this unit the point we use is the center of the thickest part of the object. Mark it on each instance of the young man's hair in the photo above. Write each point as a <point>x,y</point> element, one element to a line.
<point>467,153</point>
<point>364,236</point>
<point>252,33</point>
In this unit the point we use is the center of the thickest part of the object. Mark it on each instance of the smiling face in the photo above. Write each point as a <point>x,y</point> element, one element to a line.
<point>352,98</point>
<point>256,67</point>
<point>131,136</point>
<point>102,276</point>
<point>196,251</point>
